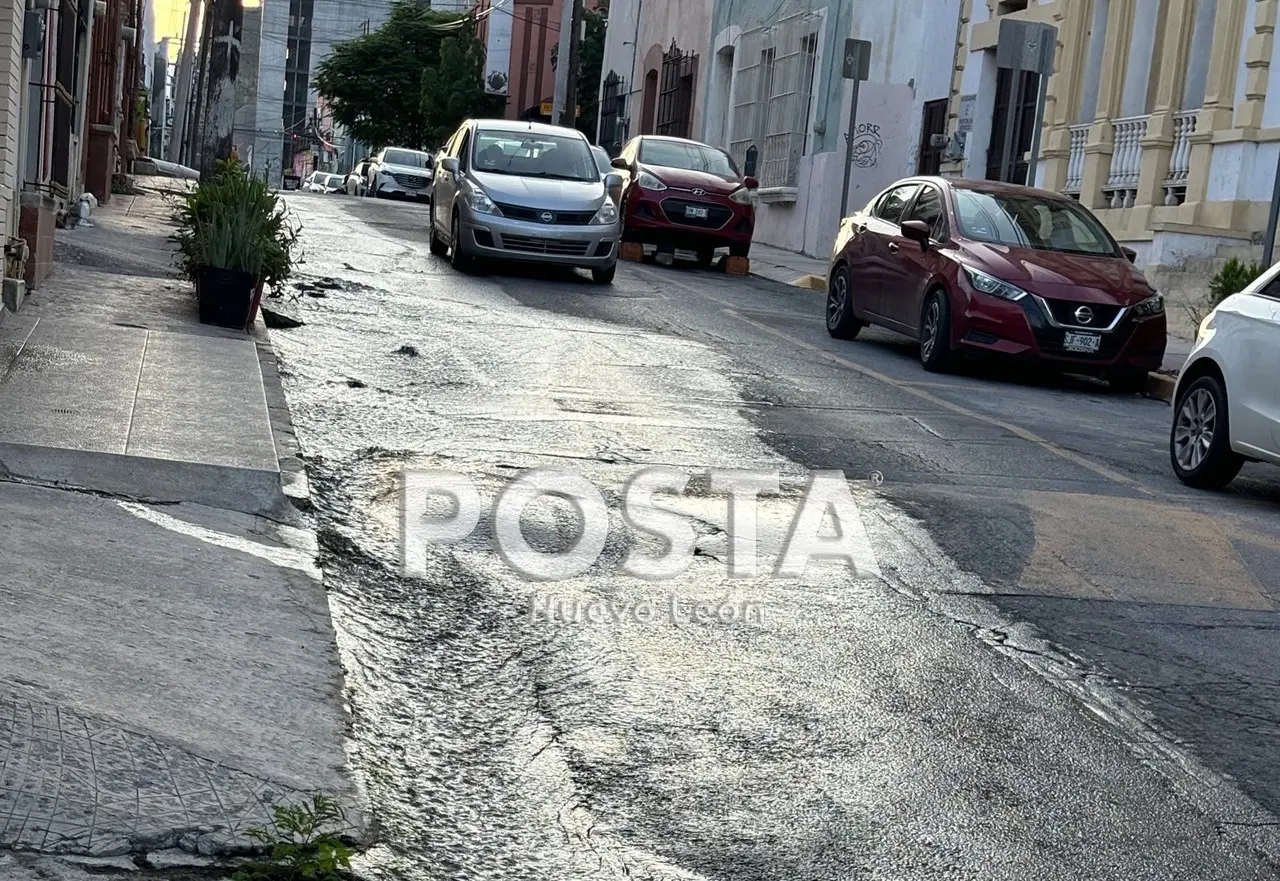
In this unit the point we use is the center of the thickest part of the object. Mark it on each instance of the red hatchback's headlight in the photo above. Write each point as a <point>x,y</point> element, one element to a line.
<point>741,195</point>
<point>649,182</point>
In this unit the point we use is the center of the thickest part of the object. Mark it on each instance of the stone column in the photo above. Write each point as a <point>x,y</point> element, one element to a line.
<point>1170,68</point>
<point>1257,66</point>
<point>1217,111</point>
<point>1097,159</point>
<point>1063,96</point>
<point>12,92</point>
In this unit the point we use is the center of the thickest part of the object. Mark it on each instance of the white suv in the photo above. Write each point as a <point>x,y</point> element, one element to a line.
<point>1226,406</point>
<point>398,171</point>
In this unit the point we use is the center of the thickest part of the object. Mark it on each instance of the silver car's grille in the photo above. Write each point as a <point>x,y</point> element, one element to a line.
<point>410,180</point>
<point>538,245</point>
<point>521,212</point>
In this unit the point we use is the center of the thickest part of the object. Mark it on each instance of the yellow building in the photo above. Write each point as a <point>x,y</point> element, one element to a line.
<point>1163,116</point>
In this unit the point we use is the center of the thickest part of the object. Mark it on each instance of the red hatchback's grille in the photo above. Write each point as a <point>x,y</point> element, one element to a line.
<point>686,211</point>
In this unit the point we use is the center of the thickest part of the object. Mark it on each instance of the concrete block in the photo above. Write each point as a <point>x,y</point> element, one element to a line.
<point>632,251</point>
<point>15,291</point>
<point>737,266</point>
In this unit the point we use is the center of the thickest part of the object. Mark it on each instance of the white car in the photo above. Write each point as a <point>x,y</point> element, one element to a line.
<point>323,182</point>
<point>397,171</point>
<point>1226,405</point>
<point>355,181</point>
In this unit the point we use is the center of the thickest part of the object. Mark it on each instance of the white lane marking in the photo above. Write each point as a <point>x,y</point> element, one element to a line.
<point>285,557</point>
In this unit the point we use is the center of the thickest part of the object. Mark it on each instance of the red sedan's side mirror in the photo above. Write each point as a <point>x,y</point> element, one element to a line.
<point>1130,253</point>
<point>620,163</point>
<point>917,231</point>
<point>750,183</point>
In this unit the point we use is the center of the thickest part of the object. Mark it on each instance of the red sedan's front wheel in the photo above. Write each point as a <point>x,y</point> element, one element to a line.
<point>935,333</point>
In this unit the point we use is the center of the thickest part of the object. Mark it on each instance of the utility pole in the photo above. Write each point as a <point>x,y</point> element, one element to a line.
<point>569,116</point>
<point>186,72</point>
<point>562,61</point>
<point>195,127</point>
<point>220,90</point>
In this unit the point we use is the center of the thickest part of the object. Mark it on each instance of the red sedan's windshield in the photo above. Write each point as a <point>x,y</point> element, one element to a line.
<point>1025,221</point>
<point>691,157</point>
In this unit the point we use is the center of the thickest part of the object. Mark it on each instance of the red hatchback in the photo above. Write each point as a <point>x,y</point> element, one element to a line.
<point>967,265</point>
<point>683,194</point>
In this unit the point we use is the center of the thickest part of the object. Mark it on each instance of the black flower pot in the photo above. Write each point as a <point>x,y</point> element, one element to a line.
<point>226,296</point>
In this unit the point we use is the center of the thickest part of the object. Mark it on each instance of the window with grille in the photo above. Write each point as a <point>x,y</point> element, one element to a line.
<point>775,82</point>
<point>612,110</point>
<point>675,97</point>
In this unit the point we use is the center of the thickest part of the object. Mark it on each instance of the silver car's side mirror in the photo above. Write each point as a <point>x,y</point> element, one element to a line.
<point>450,164</point>
<point>612,181</point>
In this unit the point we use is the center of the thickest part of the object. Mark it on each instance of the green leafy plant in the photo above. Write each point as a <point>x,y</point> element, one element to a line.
<point>234,221</point>
<point>302,845</point>
<point>1232,278</point>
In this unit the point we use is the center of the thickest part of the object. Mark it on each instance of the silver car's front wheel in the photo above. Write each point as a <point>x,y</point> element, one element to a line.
<point>1200,440</point>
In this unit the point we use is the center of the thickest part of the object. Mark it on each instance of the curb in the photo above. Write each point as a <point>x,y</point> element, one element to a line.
<point>811,282</point>
<point>293,471</point>
<point>1161,386</point>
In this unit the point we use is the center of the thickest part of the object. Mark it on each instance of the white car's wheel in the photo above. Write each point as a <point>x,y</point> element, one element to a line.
<point>1200,440</point>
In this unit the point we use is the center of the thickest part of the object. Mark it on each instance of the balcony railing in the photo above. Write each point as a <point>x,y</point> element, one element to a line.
<point>1075,158</point>
<point>1121,187</point>
<point>1175,185</point>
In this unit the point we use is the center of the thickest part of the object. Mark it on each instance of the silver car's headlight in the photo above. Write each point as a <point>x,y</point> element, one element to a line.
<point>989,284</point>
<point>478,200</point>
<point>1153,305</point>
<point>608,213</point>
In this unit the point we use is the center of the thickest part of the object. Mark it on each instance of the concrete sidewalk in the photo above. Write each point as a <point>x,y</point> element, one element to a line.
<point>168,668</point>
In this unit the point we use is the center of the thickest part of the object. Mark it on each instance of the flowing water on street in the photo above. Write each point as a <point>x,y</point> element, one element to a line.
<point>845,733</point>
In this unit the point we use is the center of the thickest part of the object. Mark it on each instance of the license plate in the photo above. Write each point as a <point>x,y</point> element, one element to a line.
<point>695,211</point>
<point>1084,343</point>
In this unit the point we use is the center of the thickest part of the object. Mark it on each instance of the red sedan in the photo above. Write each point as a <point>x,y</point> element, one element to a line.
<point>683,194</point>
<point>967,265</point>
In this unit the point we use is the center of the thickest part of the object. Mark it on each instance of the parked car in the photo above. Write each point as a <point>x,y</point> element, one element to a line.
<point>322,182</point>
<point>1226,404</point>
<point>605,164</point>
<point>356,180</point>
<point>680,193</point>
<point>524,191</point>
<point>981,266</point>
<point>397,171</point>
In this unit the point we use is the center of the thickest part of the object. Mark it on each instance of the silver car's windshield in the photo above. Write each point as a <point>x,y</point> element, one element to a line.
<point>408,158</point>
<point>335,180</point>
<point>561,157</point>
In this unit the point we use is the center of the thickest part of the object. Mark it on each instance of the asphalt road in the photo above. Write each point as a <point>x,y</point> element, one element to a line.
<point>1066,668</point>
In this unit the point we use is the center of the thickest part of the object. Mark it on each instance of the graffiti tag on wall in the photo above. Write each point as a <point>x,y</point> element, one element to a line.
<point>867,145</point>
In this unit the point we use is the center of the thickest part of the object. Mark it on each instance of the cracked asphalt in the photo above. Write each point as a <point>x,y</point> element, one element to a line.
<point>1066,669</point>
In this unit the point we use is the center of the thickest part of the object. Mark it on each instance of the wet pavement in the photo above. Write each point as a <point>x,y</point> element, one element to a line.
<point>1065,668</point>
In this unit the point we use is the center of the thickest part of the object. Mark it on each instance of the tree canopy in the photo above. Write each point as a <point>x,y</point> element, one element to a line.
<point>374,83</point>
<point>453,89</point>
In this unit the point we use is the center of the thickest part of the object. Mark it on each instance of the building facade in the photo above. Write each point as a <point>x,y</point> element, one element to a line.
<point>1162,116</point>
<point>654,76</point>
<point>777,100</point>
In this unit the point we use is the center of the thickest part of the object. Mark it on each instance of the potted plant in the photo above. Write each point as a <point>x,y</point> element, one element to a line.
<point>234,237</point>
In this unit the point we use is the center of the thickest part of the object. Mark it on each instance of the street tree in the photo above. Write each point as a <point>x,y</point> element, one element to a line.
<point>453,90</point>
<point>374,83</point>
